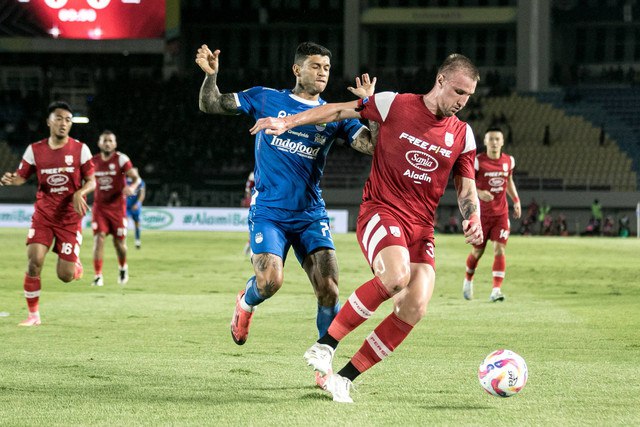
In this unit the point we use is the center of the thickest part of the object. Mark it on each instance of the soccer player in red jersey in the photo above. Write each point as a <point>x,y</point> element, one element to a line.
<point>64,171</point>
<point>420,142</point>
<point>110,204</point>
<point>494,180</point>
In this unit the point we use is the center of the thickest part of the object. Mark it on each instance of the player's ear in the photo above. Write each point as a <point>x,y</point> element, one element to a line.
<point>296,70</point>
<point>440,79</point>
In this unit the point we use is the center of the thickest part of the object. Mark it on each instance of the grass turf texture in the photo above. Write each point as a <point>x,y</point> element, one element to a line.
<point>158,351</point>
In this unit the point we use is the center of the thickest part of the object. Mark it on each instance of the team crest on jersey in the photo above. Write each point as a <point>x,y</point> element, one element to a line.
<point>68,159</point>
<point>112,166</point>
<point>321,126</point>
<point>395,231</point>
<point>320,139</point>
<point>259,238</point>
<point>448,139</point>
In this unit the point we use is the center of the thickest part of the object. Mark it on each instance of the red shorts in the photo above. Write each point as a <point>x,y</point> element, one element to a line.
<point>109,220</point>
<point>68,238</point>
<point>379,227</point>
<point>495,228</point>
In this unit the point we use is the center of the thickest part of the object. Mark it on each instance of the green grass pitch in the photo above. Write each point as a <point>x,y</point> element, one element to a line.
<point>158,351</point>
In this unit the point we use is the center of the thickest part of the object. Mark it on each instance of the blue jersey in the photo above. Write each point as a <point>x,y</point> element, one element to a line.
<point>133,199</point>
<point>288,167</point>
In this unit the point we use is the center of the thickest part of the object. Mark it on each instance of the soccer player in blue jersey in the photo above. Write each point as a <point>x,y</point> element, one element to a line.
<point>134,207</point>
<point>286,206</point>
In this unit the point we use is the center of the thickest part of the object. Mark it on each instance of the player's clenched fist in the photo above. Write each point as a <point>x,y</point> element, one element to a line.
<point>207,60</point>
<point>8,178</point>
<point>472,230</point>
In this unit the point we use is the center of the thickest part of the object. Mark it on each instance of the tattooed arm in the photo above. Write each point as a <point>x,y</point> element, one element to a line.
<point>470,209</point>
<point>211,100</point>
<point>366,141</point>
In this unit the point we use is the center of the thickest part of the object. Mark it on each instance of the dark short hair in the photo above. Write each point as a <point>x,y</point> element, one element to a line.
<point>458,62</point>
<point>107,132</point>
<point>494,129</point>
<point>310,48</point>
<point>59,104</point>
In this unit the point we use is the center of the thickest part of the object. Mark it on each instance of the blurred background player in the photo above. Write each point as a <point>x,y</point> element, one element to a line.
<point>245,203</point>
<point>64,171</point>
<point>109,204</point>
<point>494,180</point>
<point>395,226</point>
<point>287,208</point>
<point>134,206</point>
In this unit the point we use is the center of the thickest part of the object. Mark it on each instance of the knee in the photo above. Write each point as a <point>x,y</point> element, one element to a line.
<point>65,276</point>
<point>269,284</point>
<point>396,281</point>
<point>34,267</point>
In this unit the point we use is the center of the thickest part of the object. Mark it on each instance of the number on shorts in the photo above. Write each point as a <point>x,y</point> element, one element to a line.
<point>66,248</point>
<point>325,229</point>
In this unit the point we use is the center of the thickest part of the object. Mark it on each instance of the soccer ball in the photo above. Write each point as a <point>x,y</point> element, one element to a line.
<point>503,373</point>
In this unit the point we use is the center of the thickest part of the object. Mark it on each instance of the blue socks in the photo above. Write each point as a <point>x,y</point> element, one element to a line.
<point>137,233</point>
<point>325,317</point>
<point>252,296</point>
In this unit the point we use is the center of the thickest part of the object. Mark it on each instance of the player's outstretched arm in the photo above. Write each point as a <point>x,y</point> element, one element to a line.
<point>323,114</point>
<point>210,100</point>
<point>366,141</point>
<point>12,178</point>
<point>470,209</point>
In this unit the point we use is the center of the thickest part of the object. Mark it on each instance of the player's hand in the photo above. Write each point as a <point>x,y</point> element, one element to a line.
<point>517,210</point>
<point>80,204</point>
<point>472,230</point>
<point>485,195</point>
<point>207,60</point>
<point>8,178</point>
<point>364,86</point>
<point>134,208</point>
<point>128,191</point>
<point>270,125</point>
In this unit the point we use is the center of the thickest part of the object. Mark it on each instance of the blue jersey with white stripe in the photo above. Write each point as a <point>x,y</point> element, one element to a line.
<point>288,167</point>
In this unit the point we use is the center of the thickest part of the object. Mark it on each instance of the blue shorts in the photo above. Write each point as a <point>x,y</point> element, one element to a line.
<point>275,230</point>
<point>135,215</point>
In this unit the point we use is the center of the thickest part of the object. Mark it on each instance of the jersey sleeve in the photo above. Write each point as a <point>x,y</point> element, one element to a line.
<point>27,165</point>
<point>513,163</point>
<point>86,161</point>
<point>349,130</point>
<point>125,162</point>
<point>465,164</point>
<point>247,100</point>
<point>376,107</point>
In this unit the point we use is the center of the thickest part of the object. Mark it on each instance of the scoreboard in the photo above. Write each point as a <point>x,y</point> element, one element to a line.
<point>83,19</point>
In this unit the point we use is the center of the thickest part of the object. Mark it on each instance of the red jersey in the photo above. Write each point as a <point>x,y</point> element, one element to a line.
<point>60,173</point>
<point>414,155</point>
<point>111,180</point>
<point>493,175</point>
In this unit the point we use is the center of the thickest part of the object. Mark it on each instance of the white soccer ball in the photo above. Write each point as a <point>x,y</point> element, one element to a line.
<point>503,373</point>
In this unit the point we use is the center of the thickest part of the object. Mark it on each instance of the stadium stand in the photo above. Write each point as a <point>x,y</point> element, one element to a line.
<point>572,158</point>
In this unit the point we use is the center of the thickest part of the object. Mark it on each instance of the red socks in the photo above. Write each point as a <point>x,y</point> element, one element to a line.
<point>359,307</point>
<point>381,342</point>
<point>32,288</point>
<point>97,266</point>
<point>472,262</point>
<point>499,265</point>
